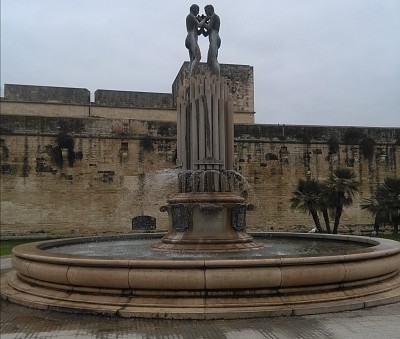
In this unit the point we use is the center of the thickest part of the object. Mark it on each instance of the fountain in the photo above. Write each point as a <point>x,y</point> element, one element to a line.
<point>206,266</point>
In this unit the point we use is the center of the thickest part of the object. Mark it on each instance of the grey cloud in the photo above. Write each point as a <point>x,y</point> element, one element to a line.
<point>334,62</point>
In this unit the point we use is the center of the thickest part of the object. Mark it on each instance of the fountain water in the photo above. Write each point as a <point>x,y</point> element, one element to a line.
<point>207,265</point>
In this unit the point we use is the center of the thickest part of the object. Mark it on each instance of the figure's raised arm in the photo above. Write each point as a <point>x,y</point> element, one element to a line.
<point>213,23</point>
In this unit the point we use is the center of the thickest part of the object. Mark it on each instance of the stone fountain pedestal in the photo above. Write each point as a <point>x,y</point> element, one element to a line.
<point>208,214</point>
<point>209,221</point>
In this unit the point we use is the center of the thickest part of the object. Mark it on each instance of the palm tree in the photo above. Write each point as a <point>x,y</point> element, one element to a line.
<point>385,204</point>
<point>376,209</point>
<point>306,198</point>
<point>342,185</point>
<point>325,203</point>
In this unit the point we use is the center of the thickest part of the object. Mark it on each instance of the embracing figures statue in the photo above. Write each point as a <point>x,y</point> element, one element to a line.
<point>208,25</point>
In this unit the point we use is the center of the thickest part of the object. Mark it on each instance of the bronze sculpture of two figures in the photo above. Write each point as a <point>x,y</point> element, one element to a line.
<point>207,25</point>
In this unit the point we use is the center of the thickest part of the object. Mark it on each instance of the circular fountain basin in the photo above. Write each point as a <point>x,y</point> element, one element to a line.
<point>291,274</point>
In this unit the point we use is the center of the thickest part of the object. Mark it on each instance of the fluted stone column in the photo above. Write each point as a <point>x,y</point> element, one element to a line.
<point>205,135</point>
<point>207,214</point>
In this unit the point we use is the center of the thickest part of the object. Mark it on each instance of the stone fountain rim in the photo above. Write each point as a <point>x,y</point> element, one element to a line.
<point>206,288</point>
<point>36,251</point>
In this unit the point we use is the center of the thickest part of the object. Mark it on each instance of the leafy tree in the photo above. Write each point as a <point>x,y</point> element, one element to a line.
<point>341,186</point>
<point>385,204</point>
<point>307,198</point>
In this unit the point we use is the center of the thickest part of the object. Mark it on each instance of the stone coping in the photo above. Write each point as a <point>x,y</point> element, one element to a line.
<point>35,251</point>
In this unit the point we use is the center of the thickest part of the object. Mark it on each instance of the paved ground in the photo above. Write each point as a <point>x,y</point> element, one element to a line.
<point>21,322</point>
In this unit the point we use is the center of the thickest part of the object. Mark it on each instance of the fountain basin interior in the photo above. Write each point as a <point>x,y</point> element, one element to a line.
<point>351,273</point>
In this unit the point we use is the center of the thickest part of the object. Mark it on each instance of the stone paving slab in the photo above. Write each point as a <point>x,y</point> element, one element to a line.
<point>21,322</point>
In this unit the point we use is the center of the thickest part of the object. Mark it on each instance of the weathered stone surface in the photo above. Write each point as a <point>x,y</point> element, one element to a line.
<point>47,94</point>
<point>133,99</point>
<point>240,81</point>
<point>129,165</point>
<point>75,102</point>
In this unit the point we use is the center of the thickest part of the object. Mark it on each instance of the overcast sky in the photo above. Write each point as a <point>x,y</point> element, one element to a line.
<point>316,62</point>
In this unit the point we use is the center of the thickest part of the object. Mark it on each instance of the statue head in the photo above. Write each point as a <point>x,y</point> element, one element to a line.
<point>209,9</point>
<point>194,9</point>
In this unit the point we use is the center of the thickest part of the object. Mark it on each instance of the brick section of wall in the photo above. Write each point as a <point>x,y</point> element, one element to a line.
<point>240,79</point>
<point>108,171</point>
<point>133,99</point>
<point>48,94</point>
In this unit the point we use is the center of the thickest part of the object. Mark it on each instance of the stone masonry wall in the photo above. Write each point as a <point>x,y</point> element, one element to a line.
<point>272,158</point>
<point>84,176</point>
<point>63,177</point>
<point>133,99</point>
<point>49,94</point>
<point>50,101</point>
<point>240,80</point>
